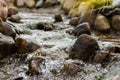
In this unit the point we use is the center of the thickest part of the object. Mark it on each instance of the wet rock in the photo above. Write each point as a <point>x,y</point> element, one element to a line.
<point>6,46</point>
<point>25,47</point>
<point>70,69</point>
<point>3,10</point>
<point>114,49</point>
<point>39,4</point>
<point>101,56</point>
<point>6,29</point>
<point>15,18</point>
<point>84,48</point>
<point>19,3</point>
<point>74,21</point>
<point>70,31</point>
<point>44,26</point>
<point>12,11</point>
<point>102,24</point>
<point>83,28</point>
<point>115,22</point>
<point>50,3</point>
<point>34,66</point>
<point>58,18</point>
<point>30,3</point>
<point>68,5</point>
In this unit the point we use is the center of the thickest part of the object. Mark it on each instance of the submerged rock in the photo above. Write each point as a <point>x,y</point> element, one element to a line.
<point>84,48</point>
<point>74,21</point>
<point>34,66</point>
<point>58,18</point>
<point>15,18</point>
<point>83,28</point>
<point>6,29</point>
<point>6,46</point>
<point>102,24</point>
<point>25,47</point>
<point>12,11</point>
<point>44,26</point>
<point>116,22</point>
<point>3,10</point>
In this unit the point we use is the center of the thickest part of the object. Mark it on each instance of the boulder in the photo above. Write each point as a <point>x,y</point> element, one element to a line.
<point>115,22</point>
<point>3,10</point>
<point>83,28</point>
<point>58,18</point>
<point>15,18</point>
<point>30,3</point>
<point>74,21</point>
<point>102,23</point>
<point>12,11</point>
<point>84,48</point>
<point>6,46</point>
<point>23,46</point>
<point>6,29</point>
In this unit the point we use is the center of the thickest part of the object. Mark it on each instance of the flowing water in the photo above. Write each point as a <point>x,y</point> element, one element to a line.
<point>54,44</point>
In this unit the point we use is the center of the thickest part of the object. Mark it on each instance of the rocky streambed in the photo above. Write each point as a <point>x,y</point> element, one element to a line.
<point>51,61</point>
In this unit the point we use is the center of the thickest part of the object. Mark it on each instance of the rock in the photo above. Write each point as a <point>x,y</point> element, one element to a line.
<point>88,17</point>
<point>50,3</point>
<point>34,65</point>
<point>101,56</point>
<point>12,11</point>
<point>70,69</point>
<point>58,18</point>
<point>115,22</point>
<point>84,48</point>
<point>83,28</point>
<point>19,3</point>
<point>6,29</point>
<point>9,2</point>
<point>73,13</point>
<point>74,21</point>
<point>15,18</point>
<point>25,47</point>
<point>30,3</point>
<point>101,23</point>
<point>6,46</point>
<point>114,49</point>
<point>44,26</point>
<point>68,5</point>
<point>39,4</point>
<point>3,10</point>
<point>19,78</point>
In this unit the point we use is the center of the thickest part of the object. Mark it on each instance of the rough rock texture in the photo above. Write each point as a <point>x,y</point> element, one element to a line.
<point>74,21</point>
<point>84,47</point>
<point>101,23</point>
<point>83,28</point>
<point>116,22</point>
<point>3,10</point>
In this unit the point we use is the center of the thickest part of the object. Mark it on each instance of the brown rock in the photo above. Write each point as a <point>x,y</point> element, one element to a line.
<point>101,23</point>
<point>15,18</point>
<point>3,10</point>
<point>6,29</point>
<point>84,48</point>
<point>83,28</point>
<point>25,47</point>
<point>30,3</point>
<point>58,18</point>
<point>115,22</point>
<point>74,21</point>
<point>6,46</point>
<point>12,11</point>
<point>50,3</point>
<point>19,3</point>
